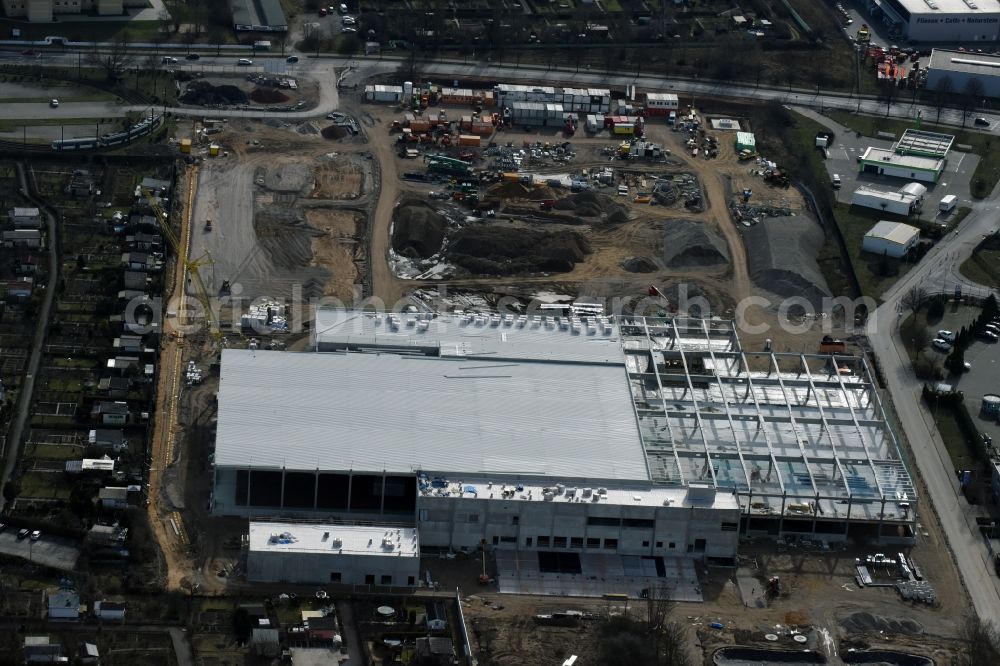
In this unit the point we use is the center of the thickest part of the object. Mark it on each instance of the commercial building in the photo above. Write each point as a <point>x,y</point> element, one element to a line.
<point>616,437</point>
<point>918,155</point>
<point>960,68</point>
<point>939,20</point>
<point>900,202</point>
<point>349,554</point>
<point>894,239</point>
<point>258,16</point>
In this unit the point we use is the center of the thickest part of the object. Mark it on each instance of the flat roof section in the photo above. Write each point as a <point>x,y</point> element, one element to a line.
<point>884,156</point>
<point>932,7</point>
<point>374,540</point>
<point>924,144</point>
<point>894,232</point>
<point>371,412</point>
<point>497,337</point>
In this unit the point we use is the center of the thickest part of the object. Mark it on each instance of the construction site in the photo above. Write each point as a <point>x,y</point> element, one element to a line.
<point>426,201</point>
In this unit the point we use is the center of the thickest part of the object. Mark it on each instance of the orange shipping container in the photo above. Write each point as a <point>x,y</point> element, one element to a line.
<point>421,125</point>
<point>468,140</point>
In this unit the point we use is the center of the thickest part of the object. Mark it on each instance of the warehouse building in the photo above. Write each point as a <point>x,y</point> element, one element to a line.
<point>961,67</point>
<point>939,20</point>
<point>918,155</point>
<point>598,436</point>
<point>258,16</point>
<point>348,554</point>
<point>893,239</point>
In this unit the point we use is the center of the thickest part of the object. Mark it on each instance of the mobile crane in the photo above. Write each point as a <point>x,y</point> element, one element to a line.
<point>191,266</point>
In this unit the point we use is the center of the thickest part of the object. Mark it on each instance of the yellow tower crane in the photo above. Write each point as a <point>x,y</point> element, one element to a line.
<point>191,266</point>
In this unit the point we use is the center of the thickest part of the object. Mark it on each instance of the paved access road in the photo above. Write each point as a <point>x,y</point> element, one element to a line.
<point>938,273</point>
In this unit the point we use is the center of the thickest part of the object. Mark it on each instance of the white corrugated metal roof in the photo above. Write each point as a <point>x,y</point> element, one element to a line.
<point>536,337</point>
<point>894,232</point>
<point>334,539</point>
<point>375,412</point>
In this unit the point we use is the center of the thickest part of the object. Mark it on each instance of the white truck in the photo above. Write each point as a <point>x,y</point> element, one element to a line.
<point>948,203</point>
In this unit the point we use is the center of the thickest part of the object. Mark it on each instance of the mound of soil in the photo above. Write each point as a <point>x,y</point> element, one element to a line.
<point>782,253</point>
<point>690,244</point>
<point>590,204</point>
<point>417,230</point>
<point>268,96</point>
<point>205,94</point>
<point>512,190</point>
<point>333,132</point>
<point>639,265</point>
<point>490,250</point>
<point>864,622</point>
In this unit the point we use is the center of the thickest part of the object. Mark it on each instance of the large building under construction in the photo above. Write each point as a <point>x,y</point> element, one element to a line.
<point>626,436</point>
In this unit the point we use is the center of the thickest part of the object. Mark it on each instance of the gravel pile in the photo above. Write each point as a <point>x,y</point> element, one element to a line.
<point>863,622</point>
<point>782,255</point>
<point>691,244</point>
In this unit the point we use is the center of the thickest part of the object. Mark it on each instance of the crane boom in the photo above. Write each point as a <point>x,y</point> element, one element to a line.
<point>191,266</point>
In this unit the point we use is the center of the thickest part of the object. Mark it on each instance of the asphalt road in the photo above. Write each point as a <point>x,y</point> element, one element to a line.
<point>938,273</point>
<point>15,434</point>
<point>360,69</point>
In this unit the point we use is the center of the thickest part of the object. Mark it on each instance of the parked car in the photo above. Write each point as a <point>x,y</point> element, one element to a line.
<point>349,30</point>
<point>982,122</point>
<point>941,345</point>
<point>193,56</point>
<point>989,336</point>
<point>946,335</point>
<point>348,20</point>
<point>3,526</point>
<point>23,534</point>
<point>169,60</point>
<point>54,103</point>
<point>292,59</point>
<point>322,11</point>
<point>36,535</point>
<point>343,8</point>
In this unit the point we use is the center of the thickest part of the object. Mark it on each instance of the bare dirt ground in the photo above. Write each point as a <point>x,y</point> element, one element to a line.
<point>262,201</point>
<point>818,593</point>
<point>338,249</point>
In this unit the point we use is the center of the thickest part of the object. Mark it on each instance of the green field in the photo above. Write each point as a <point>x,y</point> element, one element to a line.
<point>983,266</point>
<point>854,223</point>
<point>43,485</point>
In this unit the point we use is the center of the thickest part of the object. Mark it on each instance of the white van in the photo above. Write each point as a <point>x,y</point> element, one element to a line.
<point>244,61</point>
<point>836,181</point>
<point>343,9</point>
<point>948,203</point>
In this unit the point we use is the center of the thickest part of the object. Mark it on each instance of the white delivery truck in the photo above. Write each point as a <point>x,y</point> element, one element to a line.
<point>948,203</point>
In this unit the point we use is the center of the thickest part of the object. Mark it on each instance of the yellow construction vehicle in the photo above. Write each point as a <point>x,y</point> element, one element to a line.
<point>191,266</point>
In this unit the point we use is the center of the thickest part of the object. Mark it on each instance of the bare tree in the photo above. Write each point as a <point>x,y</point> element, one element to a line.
<point>668,637</point>
<point>981,643</point>
<point>943,90</point>
<point>972,95</point>
<point>114,59</point>
<point>914,298</point>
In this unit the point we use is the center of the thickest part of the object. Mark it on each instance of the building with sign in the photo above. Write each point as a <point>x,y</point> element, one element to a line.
<point>939,20</point>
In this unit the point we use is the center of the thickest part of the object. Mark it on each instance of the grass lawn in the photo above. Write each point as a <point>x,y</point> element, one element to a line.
<point>854,223</point>
<point>959,451</point>
<point>987,173</point>
<point>54,451</point>
<point>10,125</point>
<point>983,266</point>
<point>44,485</point>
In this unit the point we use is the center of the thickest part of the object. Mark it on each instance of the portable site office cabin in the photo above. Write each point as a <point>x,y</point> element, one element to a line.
<point>746,141</point>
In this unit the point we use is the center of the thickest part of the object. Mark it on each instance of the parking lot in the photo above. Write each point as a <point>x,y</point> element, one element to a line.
<point>48,551</point>
<point>982,379</point>
<point>848,147</point>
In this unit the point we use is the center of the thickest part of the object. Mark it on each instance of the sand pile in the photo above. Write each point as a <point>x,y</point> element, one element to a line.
<point>782,254</point>
<point>688,244</point>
